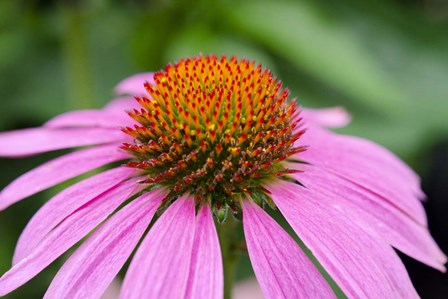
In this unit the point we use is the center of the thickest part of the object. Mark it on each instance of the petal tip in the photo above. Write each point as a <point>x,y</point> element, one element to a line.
<point>134,84</point>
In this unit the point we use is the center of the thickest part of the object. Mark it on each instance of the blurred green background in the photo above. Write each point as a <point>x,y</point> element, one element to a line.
<point>386,61</point>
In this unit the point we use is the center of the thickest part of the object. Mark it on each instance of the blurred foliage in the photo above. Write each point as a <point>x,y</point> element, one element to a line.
<point>384,60</point>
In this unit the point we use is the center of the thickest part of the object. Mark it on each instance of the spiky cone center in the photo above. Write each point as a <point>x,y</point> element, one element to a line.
<point>215,128</point>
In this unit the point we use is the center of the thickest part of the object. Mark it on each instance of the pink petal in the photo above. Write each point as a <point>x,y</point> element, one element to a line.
<point>368,165</point>
<point>59,170</point>
<point>358,260</point>
<point>63,204</point>
<point>134,85</point>
<point>362,147</point>
<point>161,265</point>
<point>65,235</point>
<point>249,289</point>
<point>39,140</point>
<point>335,117</point>
<point>394,226</point>
<point>94,265</point>
<point>122,104</point>
<point>113,290</point>
<point>281,267</point>
<point>206,274</point>
<point>91,118</point>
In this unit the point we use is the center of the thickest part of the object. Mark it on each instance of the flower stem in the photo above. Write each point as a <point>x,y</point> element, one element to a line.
<point>76,57</point>
<point>226,232</point>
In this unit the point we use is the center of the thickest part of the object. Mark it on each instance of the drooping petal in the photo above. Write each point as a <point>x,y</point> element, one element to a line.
<point>90,270</point>
<point>134,85</point>
<point>363,148</point>
<point>335,117</point>
<point>205,279</point>
<point>161,264</point>
<point>57,171</point>
<point>33,141</point>
<point>123,104</point>
<point>65,235</point>
<point>281,267</point>
<point>368,165</point>
<point>91,118</point>
<point>359,261</point>
<point>63,204</point>
<point>394,226</point>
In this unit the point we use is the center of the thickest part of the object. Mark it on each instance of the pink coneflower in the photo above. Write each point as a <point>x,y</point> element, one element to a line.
<point>215,138</point>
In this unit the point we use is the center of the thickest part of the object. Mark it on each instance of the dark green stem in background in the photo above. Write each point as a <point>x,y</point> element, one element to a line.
<point>79,79</point>
<point>227,239</point>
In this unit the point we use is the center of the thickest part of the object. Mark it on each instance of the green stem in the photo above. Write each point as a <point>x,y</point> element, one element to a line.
<point>226,232</point>
<point>76,57</point>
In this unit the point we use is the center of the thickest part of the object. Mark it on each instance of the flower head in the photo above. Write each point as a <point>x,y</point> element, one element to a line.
<point>215,129</point>
<point>208,137</point>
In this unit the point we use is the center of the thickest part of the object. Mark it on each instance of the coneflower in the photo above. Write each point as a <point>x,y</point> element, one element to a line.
<point>210,142</point>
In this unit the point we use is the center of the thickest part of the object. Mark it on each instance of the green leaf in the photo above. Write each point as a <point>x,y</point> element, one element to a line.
<point>320,47</point>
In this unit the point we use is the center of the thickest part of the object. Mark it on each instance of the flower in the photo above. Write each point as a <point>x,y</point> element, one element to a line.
<point>208,138</point>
